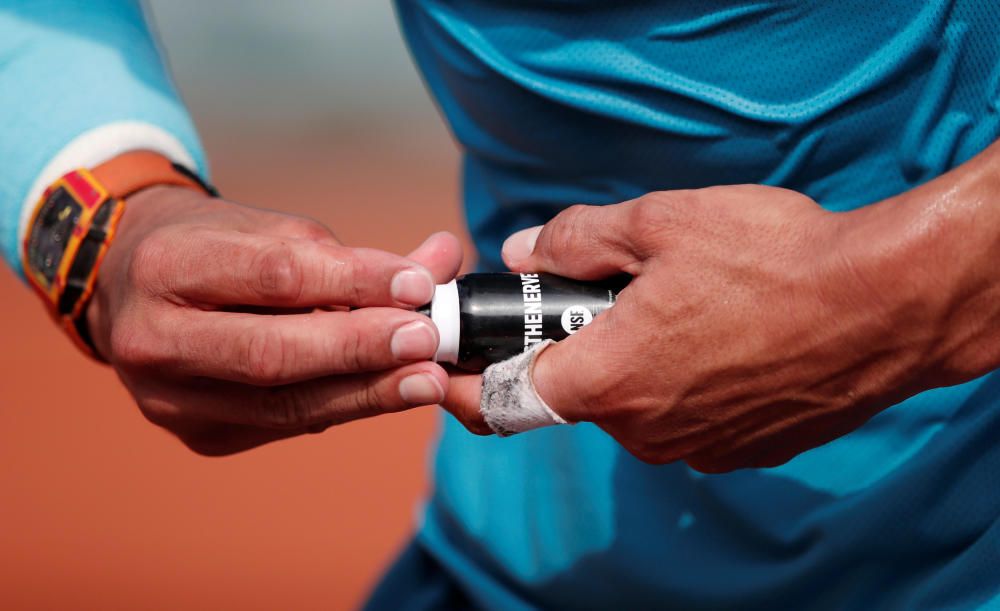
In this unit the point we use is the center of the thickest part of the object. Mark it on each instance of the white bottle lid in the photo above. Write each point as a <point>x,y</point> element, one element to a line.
<point>446,317</point>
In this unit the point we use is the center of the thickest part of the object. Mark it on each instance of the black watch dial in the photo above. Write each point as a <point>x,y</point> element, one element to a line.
<point>48,238</point>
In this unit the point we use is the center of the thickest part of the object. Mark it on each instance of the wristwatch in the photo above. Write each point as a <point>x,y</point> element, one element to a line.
<point>73,225</point>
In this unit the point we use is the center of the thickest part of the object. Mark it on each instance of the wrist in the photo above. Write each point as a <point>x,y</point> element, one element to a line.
<point>73,226</point>
<point>929,255</point>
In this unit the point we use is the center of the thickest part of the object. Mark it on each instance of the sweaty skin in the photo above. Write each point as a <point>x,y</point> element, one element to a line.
<point>231,325</point>
<point>758,324</point>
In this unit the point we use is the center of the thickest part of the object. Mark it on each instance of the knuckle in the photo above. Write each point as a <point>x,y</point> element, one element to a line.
<point>320,427</point>
<point>710,466</point>
<point>647,453</point>
<point>283,409</point>
<point>347,275</point>
<point>277,272</point>
<point>565,230</point>
<point>147,261</point>
<point>573,214</point>
<point>769,460</point>
<point>347,352</point>
<point>204,445</point>
<point>157,413</point>
<point>670,201</point>
<point>353,351</point>
<point>130,346</point>
<point>652,215</point>
<point>368,400</point>
<point>266,355</point>
<point>159,410</point>
<point>476,426</point>
<point>310,229</point>
<point>374,398</point>
<point>214,441</point>
<point>341,271</point>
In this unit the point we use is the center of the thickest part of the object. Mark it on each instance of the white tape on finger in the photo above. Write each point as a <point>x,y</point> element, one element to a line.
<point>510,404</point>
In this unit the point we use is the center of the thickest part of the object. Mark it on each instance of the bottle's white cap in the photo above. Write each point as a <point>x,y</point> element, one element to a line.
<point>446,317</point>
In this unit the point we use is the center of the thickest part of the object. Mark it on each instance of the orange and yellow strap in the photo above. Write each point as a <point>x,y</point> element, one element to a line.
<point>68,290</point>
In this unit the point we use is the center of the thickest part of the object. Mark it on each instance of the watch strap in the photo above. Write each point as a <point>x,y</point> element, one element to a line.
<point>73,226</point>
<point>133,171</point>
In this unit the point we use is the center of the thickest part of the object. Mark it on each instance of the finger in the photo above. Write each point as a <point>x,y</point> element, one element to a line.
<point>323,401</point>
<point>570,377</point>
<point>277,350</point>
<point>567,376</point>
<point>462,401</point>
<point>441,254</point>
<point>232,268</point>
<point>215,439</point>
<point>582,376</point>
<point>584,242</point>
<point>171,405</point>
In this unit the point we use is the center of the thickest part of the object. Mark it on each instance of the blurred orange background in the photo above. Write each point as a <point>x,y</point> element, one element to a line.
<point>102,510</point>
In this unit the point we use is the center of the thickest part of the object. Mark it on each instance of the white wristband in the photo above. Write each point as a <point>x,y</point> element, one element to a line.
<point>510,404</point>
<point>97,146</point>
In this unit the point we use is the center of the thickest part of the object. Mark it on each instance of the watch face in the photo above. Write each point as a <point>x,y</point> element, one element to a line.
<point>50,234</point>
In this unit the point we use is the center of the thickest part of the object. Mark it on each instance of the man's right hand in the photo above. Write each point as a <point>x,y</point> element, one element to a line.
<point>231,326</point>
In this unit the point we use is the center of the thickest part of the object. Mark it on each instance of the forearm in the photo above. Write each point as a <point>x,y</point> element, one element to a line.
<point>933,256</point>
<point>82,82</point>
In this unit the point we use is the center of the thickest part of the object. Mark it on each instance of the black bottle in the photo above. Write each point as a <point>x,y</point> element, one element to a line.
<point>487,318</point>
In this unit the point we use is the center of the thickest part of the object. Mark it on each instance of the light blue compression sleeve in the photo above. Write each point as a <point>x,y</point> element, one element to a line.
<point>66,68</point>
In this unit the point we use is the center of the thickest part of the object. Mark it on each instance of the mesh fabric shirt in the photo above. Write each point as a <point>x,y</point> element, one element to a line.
<point>562,102</point>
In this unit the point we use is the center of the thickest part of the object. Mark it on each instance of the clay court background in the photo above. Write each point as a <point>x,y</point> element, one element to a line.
<point>101,510</point>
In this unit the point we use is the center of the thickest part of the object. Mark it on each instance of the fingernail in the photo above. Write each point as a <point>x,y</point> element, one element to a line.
<point>520,245</point>
<point>421,389</point>
<point>412,286</point>
<point>412,341</point>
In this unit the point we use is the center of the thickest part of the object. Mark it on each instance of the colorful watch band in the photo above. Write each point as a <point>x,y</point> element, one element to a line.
<point>73,226</point>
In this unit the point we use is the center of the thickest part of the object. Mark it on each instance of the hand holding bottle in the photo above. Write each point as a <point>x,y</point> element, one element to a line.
<point>750,333</point>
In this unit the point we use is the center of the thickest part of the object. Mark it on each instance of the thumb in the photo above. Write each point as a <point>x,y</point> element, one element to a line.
<point>582,242</point>
<point>441,254</point>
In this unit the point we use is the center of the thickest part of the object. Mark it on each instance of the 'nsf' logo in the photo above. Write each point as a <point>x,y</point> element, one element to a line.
<point>575,317</point>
